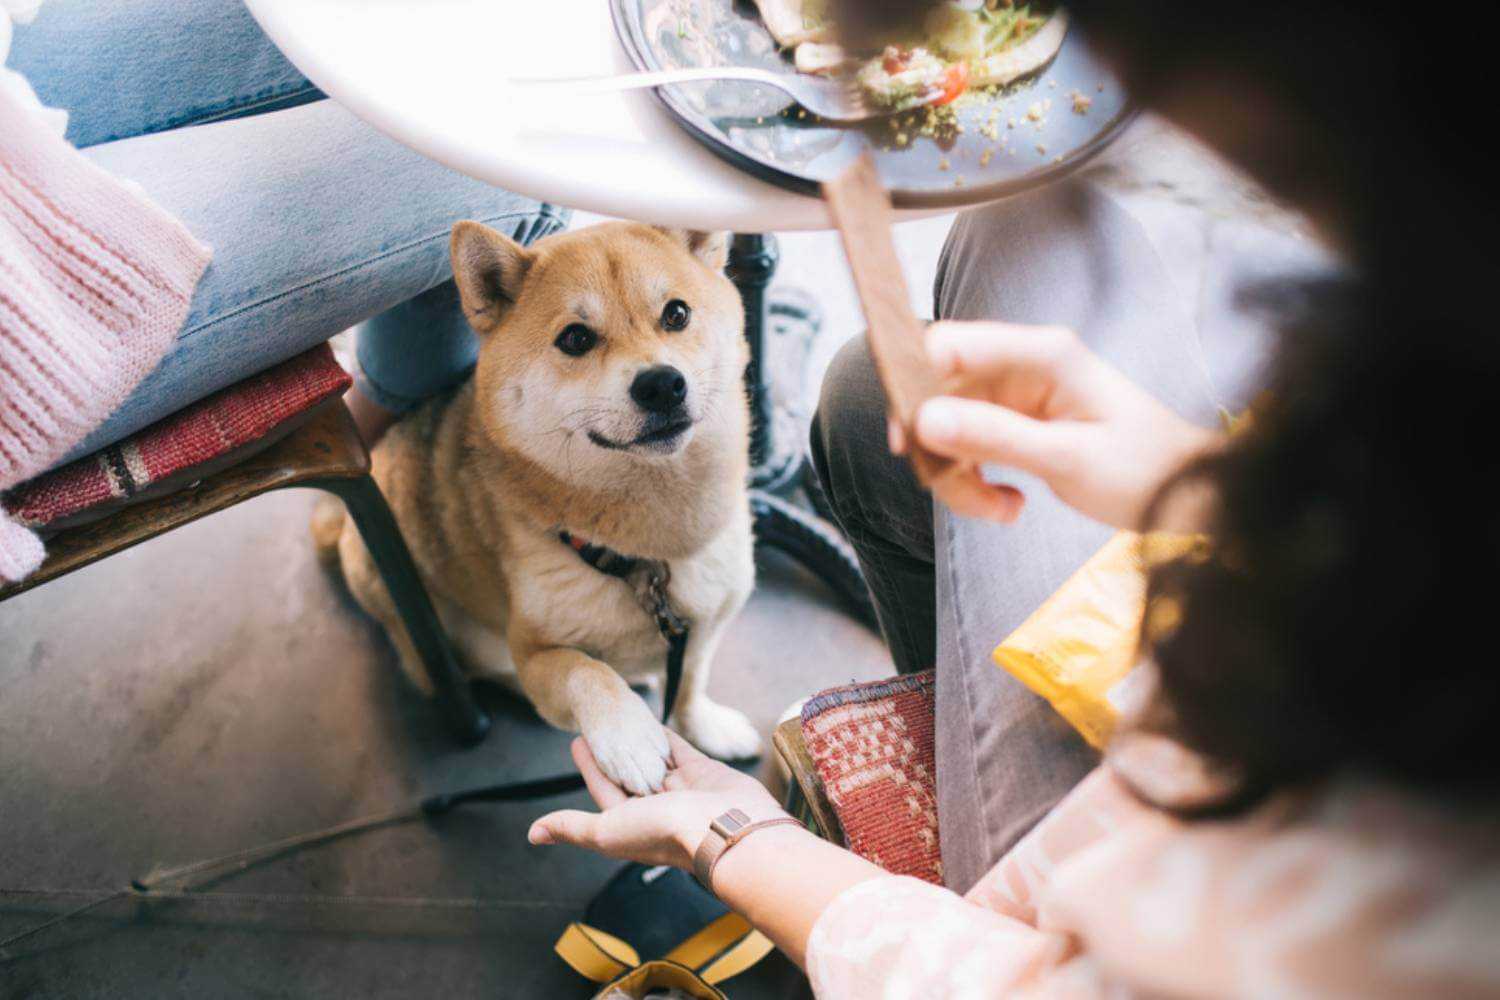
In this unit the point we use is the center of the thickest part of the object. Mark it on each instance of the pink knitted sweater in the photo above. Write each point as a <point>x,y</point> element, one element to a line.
<point>95,282</point>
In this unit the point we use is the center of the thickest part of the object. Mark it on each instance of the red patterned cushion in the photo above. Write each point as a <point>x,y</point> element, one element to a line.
<point>231,422</point>
<point>873,747</point>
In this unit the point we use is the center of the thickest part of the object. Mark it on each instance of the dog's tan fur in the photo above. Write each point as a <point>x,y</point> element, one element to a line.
<point>482,479</point>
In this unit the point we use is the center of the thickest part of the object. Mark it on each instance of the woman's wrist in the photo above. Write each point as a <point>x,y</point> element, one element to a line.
<point>781,878</point>
<point>690,836</point>
<point>1195,440</point>
<point>1186,511</point>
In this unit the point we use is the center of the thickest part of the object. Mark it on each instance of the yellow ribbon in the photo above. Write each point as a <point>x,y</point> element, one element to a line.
<point>725,948</point>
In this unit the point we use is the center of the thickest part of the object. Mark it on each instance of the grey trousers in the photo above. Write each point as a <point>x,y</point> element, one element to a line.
<point>947,589</point>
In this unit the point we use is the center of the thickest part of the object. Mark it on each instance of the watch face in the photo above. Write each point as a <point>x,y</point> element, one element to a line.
<point>731,822</point>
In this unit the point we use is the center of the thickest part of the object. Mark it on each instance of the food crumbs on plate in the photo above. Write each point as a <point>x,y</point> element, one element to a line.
<point>1081,103</point>
<point>958,181</point>
<point>1041,150</point>
<point>1035,112</point>
<point>943,163</point>
<point>985,157</point>
<point>1057,159</point>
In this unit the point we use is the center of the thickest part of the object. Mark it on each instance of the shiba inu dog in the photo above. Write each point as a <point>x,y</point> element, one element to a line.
<point>608,405</point>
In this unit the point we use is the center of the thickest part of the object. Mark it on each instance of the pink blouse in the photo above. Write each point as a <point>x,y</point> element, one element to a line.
<point>1357,891</point>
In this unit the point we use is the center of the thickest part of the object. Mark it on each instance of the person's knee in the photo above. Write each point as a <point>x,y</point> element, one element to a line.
<point>1000,260</point>
<point>850,399</point>
<point>863,481</point>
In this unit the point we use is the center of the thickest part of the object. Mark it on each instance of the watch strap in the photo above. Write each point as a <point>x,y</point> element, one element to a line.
<point>724,832</point>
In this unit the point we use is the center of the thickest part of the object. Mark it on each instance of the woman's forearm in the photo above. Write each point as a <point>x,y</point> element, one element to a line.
<point>782,879</point>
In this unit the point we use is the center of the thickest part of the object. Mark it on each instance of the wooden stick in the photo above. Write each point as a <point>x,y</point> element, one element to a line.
<point>862,210</point>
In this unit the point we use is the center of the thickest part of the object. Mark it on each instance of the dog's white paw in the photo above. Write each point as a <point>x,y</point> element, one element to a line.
<point>719,730</point>
<point>630,746</point>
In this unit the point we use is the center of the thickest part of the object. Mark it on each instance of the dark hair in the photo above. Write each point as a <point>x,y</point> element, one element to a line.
<point>1347,618</point>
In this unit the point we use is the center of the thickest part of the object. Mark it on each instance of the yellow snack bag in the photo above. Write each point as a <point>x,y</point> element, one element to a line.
<point>1082,642</point>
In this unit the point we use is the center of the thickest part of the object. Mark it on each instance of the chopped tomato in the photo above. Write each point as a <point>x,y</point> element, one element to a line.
<point>954,82</point>
<point>894,60</point>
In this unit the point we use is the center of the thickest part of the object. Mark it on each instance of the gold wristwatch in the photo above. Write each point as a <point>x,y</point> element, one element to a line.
<point>723,833</point>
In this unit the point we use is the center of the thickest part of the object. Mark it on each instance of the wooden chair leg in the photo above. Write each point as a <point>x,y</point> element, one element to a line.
<point>377,526</point>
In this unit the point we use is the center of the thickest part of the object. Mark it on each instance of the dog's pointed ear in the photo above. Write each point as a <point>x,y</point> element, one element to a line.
<point>711,248</point>
<point>488,268</point>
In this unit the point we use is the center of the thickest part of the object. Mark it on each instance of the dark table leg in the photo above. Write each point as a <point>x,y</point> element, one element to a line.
<point>777,466</point>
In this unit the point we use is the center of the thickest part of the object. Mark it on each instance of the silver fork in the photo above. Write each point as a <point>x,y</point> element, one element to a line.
<point>831,98</point>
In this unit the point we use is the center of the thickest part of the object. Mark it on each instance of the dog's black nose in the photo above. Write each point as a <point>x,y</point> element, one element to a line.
<point>659,390</point>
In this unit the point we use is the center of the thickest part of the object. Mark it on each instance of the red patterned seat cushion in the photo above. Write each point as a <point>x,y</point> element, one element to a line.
<point>872,745</point>
<point>230,424</point>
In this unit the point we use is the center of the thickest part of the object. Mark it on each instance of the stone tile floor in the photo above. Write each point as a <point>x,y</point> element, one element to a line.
<point>215,689</point>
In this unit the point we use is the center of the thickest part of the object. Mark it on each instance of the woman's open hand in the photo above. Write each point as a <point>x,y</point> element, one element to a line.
<point>1038,400</point>
<point>660,829</point>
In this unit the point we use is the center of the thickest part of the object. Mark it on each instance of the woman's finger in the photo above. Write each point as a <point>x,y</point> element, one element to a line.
<point>975,432</point>
<point>606,793</point>
<point>990,349</point>
<point>966,493</point>
<point>567,826</point>
<point>895,437</point>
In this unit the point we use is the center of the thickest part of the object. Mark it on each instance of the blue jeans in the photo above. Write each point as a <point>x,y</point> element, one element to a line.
<point>317,221</point>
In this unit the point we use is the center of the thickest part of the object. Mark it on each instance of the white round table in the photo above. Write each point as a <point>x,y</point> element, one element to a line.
<point>432,74</point>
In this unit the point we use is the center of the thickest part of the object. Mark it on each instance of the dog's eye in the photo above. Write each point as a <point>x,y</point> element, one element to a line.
<point>576,339</point>
<point>675,315</point>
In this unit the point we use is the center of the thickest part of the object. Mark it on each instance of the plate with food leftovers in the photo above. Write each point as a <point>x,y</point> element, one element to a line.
<point>981,99</point>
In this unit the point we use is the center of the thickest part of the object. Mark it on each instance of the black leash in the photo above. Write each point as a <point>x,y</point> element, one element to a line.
<point>647,578</point>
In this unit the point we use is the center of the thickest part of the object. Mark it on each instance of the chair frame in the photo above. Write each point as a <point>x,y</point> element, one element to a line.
<point>325,453</point>
<point>805,796</point>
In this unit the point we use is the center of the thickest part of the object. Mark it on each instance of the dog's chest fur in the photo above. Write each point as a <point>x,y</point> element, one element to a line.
<point>570,603</point>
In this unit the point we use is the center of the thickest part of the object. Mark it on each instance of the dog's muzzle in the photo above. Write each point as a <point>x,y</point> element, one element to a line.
<point>661,394</point>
